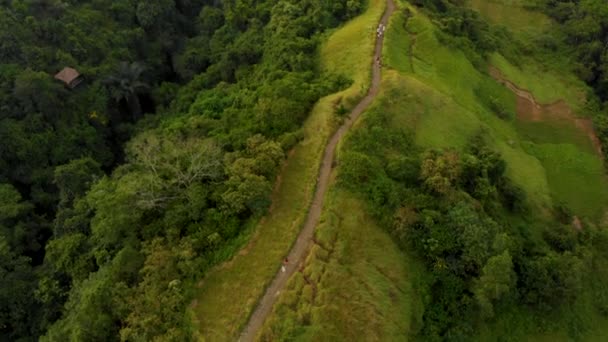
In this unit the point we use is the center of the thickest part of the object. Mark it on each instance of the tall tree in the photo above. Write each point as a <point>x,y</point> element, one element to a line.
<point>126,84</point>
<point>496,281</point>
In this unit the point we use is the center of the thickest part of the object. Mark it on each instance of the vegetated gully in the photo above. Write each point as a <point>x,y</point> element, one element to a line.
<point>304,241</point>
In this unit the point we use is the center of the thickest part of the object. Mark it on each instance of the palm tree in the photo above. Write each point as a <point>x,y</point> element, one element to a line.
<point>126,85</point>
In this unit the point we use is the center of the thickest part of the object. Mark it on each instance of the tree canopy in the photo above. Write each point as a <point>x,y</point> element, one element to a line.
<point>117,194</point>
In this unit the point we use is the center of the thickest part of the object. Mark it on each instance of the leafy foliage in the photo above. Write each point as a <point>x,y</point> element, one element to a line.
<point>117,194</point>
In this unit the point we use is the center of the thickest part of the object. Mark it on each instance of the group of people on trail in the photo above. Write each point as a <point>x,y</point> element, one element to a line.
<point>380,30</point>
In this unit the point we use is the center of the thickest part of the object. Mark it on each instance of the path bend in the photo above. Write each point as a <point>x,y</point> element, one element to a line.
<point>304,241</point>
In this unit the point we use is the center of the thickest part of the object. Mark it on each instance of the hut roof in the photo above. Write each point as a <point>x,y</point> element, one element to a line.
<point>67,75</point>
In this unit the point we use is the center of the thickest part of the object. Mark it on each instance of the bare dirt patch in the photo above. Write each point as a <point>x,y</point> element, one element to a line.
<point>528,109</point>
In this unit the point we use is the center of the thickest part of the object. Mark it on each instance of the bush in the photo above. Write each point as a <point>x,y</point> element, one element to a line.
<point>290,140</point>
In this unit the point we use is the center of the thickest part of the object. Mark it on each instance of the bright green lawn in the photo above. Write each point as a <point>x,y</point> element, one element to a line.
<point>528,28</point>
<point>229,292</point>
<point>555,132</point>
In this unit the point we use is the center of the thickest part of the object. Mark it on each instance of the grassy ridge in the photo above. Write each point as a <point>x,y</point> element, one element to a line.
<point>229,293</point>
<point>349,50</point>
<point>356,284</point>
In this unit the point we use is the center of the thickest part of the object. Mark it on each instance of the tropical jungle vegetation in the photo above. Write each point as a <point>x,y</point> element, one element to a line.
<point>120,193</point>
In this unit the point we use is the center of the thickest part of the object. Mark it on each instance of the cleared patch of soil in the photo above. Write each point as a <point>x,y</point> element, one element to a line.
<point>528,109</point>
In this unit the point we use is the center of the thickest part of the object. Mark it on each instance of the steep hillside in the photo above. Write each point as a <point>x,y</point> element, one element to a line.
<point>481,163</point>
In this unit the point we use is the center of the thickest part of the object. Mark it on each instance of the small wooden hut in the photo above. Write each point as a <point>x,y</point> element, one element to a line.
<point>70,77</point>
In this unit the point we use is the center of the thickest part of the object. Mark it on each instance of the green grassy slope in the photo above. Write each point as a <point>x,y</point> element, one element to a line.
<point>356,284</point>
<point>550,160</point>
<point>553,162</point>
<point>442,97</point>
<point>513,15</point>
<point>547,85</point>
<point>575,173</point>
<point>436,93</point>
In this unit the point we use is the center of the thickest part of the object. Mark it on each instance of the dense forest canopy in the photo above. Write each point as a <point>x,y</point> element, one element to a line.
<point>117,194</point>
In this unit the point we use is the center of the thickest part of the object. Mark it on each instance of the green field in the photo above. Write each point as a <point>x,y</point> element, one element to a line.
<point>228,293</point>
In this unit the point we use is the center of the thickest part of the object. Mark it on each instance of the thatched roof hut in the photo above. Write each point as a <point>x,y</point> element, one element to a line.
<point>69,76</point>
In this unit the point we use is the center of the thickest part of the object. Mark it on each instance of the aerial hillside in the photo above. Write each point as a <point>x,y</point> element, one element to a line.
<point>482,160</point>
<point>310,170</point>
<point>139,143</point>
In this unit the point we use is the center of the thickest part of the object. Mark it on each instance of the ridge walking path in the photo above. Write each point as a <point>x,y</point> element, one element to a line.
<point>304,241</point>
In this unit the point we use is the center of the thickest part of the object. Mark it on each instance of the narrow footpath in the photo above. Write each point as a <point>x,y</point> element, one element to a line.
<point>303,244</point>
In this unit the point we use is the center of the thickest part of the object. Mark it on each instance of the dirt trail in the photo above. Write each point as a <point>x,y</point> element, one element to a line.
<point>304,242</point>
<point>528,109</point>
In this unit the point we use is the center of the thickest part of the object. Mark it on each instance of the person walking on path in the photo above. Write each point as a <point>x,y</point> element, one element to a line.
<point>284,266</point>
